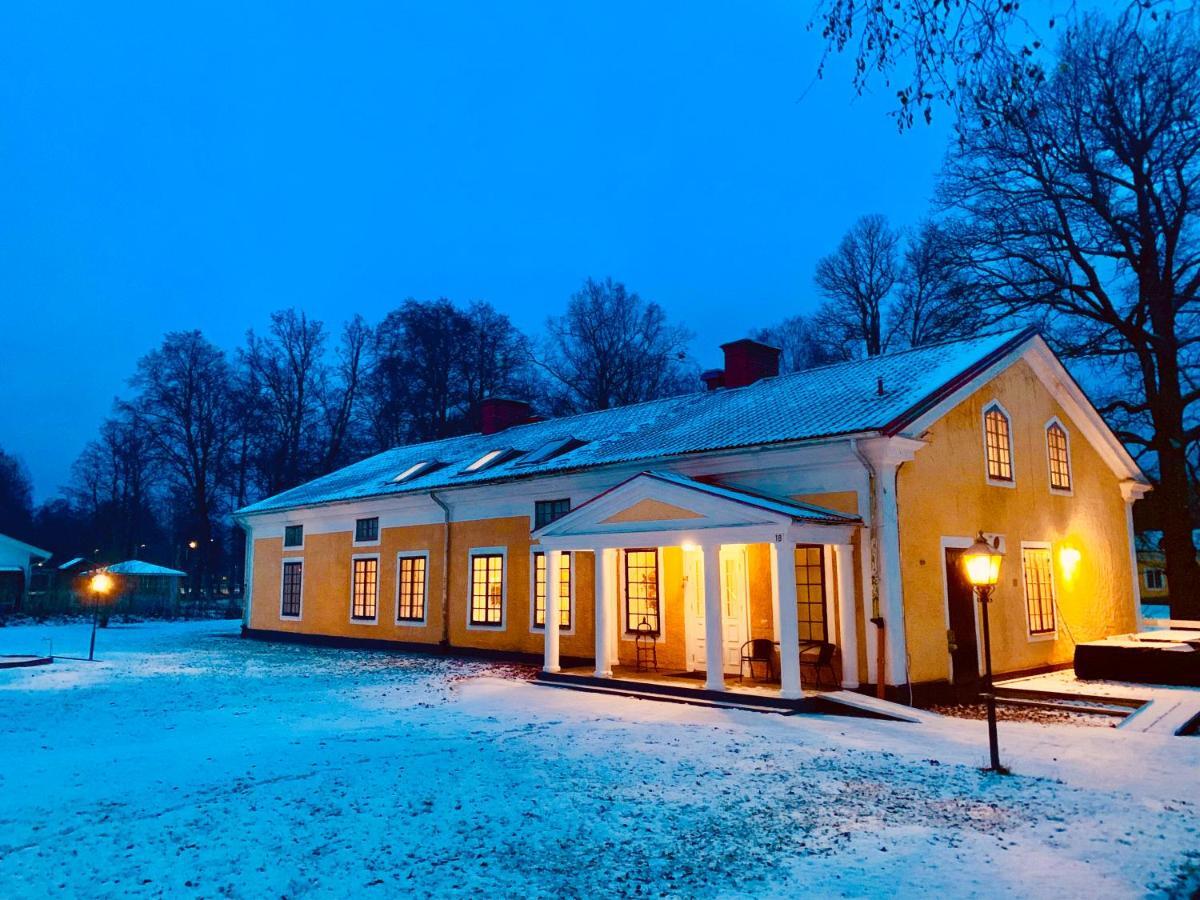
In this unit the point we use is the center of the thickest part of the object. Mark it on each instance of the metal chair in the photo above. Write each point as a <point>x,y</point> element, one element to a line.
<point>645,642</point>
<point>757,650</point>
<point>820,658</point>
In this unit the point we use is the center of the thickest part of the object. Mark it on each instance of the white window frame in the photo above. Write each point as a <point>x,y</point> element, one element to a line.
<point>1162,577</point>
<point>1049,635</point>
<point>1012,445</point>
<point>424,620</point>
<point>378,532</point>
<point>534,628</point>
<point>629,636</point>
<point>355,620</point>
<point>292,548</point>
<point>282,568</point>
<point>1061,492</point>
<point>502,552</point>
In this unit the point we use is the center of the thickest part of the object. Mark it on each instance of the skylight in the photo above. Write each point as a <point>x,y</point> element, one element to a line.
<point>488,459</point>
<point>417,468</point>
<point>551,449</point>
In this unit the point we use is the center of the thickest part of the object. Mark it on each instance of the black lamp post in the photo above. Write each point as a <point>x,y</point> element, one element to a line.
<point>981,561</point>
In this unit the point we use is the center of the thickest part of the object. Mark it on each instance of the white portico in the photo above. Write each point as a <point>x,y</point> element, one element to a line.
<point>701,569</point>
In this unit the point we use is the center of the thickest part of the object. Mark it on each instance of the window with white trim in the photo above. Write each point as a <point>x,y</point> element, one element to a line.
<point>998,442</point>
<point>293,536</point>
<point>564,590</point>
<point>293,582</point>
<point>364,602</point>
<point>1039,589</point>
<point>1058,457</point>
<point>366,531</point>
<point>487,589</point>
<point>410,588</point>
<point>641,590</point>
<point>1156,579</point>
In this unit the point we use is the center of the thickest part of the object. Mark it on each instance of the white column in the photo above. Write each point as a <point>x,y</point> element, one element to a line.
<point>847,626</point>
<point>783,586</point>
<point>550,619</point>
<point>1132,491</point>
<point>605,610</point>
<point>714,622</point>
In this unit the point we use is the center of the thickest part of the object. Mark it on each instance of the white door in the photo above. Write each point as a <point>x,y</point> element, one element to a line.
<point>734,608</point>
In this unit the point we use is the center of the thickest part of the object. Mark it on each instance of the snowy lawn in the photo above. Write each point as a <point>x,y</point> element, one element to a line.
<point>192,763</point>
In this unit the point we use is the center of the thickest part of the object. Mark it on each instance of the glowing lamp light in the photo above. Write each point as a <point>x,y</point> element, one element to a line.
<point>1068,558</point>
<point>101,583</point>
<point>192,545</point>
<point>688,547</point>
<point>981,562</point>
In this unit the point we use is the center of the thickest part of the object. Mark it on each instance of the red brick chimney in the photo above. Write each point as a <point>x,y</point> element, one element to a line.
<point>497,413</point>
<point>747,361</point>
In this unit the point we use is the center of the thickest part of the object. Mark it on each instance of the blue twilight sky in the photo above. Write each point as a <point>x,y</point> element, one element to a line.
<point>197,165</point>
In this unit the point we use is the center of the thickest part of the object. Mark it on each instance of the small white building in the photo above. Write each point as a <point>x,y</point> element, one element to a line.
<point>17,560</point>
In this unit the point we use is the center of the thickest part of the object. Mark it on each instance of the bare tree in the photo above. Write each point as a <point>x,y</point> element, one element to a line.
<point>340,391</point>
<point>856,280</point>
<point>184,400</point>
<point>936,301</point>
<point>801,344</point>
<point>16,496</point>
<point>493,360</point>
<point>612,348</point>
<point>1081,194</point>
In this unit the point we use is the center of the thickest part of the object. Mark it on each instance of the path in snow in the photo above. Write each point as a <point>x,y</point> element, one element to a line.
<point>189,762</point>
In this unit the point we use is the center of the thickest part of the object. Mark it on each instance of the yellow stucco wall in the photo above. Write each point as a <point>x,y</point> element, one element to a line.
<point>944,493</point>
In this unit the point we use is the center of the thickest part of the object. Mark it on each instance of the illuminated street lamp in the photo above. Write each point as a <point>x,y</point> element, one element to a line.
<point>100,584</point>
<point>981,562</point>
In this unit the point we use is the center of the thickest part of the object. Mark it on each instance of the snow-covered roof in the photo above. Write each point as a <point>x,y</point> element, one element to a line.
<point>138,567</point>
<point>74,561</point>
<point>878,394</point>
<point>25,548</point>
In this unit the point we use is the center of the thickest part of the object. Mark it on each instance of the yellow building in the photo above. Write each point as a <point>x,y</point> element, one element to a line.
<point>821,513</point>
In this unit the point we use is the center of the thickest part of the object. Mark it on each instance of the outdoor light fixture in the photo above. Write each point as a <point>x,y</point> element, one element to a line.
<point>1068,558</point>
<point>99,584</point>
<point>981,563</point>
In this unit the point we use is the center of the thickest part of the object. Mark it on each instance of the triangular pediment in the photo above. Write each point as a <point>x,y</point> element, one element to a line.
<point>652,510</point>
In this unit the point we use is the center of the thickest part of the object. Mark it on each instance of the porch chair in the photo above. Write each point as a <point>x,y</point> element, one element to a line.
<point>646,644</point>
<point>758,650</point>
<point>820,658</point>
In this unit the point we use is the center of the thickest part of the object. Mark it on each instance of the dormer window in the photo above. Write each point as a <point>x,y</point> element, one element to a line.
<point>551,449</point>
<point>997,434</point>
<point>416,469</point>
<point>489,459</point>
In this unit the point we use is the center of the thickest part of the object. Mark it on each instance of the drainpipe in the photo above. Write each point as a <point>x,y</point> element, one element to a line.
<point>873,551</point>
<point>445,569</point>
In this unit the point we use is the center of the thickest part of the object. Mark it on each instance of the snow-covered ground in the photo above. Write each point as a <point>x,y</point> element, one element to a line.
<point>189,762</point>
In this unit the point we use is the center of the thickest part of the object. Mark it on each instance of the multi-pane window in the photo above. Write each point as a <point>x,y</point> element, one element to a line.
<point>998,438</point>
<point>1039,589</point>
<point>365,588</point>
<point>410,589</point>
<point>293,536</point>
<point>564,590</point>
<point>546,511</point>
<point>1058,457</point>
<point>487,589</point>
<point>641,590</point>
<point>810,592</point>
<point>293,579</point>
<point>366,531</point>
<point>1155,579</point>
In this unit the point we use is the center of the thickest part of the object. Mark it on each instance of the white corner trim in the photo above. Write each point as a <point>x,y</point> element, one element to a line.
<point>502,552</point>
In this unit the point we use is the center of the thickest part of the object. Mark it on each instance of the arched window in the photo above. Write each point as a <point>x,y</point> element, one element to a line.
<point>1058,457</point>
<point>998,441</point>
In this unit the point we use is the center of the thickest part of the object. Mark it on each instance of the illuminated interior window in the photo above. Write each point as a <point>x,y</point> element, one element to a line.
<point>1059,459</point>
<point>998,438</point>
<point>487,589</point>
<point>810,593</point>
<point>539,590</point>
<point>365,595</point>
<point>641,590</point>
<point>1039,589</point>
<point>410,590</point>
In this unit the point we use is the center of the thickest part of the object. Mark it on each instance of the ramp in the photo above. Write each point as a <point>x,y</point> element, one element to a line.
<point>882,709</point>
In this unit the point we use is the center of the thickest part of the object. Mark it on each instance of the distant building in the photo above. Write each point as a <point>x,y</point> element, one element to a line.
<point>17,560</point>
<point>145,587</point>
<point>1152,566</point>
